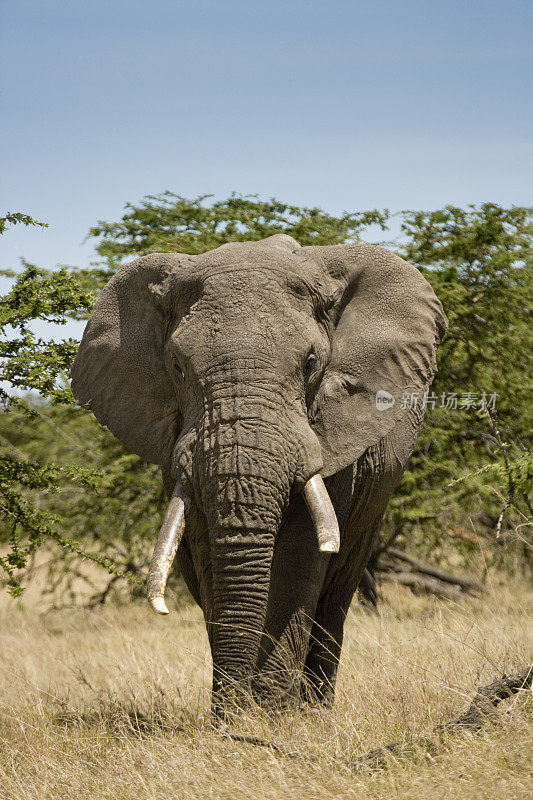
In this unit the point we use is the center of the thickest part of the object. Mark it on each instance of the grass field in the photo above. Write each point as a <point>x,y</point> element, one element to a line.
<point>114,704</point>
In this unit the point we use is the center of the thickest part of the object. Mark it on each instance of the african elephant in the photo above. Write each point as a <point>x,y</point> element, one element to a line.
<point>254,375</point>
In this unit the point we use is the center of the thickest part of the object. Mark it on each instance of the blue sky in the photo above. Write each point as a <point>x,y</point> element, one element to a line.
<point>344,105</point>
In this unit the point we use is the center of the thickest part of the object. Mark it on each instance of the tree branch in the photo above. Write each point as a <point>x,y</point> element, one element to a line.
<point>468,584</point>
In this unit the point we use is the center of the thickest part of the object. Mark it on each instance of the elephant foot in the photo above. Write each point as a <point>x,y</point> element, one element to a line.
<point>316,696</point>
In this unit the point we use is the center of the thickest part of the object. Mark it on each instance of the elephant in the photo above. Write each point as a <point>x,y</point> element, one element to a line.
<point>266,379</point>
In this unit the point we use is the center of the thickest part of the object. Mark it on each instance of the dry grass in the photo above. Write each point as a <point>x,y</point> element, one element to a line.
<point>114,704</point>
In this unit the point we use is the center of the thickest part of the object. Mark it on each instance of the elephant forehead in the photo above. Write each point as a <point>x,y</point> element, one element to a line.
<point>239,280</point>
<point>250,288</point>
<point>299,277</point>
<point>243,313</point>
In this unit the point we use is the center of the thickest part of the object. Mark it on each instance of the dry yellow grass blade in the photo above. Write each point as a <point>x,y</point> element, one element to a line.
<point>87,711</point>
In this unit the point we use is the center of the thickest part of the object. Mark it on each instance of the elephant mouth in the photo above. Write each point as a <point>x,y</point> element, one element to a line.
<point>318,503</point>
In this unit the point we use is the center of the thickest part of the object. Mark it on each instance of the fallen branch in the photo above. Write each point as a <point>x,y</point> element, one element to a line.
<point>422,583</point>
<point>390,564</point>
<point>481,710</point>
<point>468,584</point>
<point>488,697</point>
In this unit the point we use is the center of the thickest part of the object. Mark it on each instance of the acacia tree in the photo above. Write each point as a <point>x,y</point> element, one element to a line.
<point>469,478</point>
<point>28,362</point>
<point>470,474</point>
<point>57,466</point>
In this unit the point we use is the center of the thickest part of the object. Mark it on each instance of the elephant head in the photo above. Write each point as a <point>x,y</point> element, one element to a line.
<point>249,373</point>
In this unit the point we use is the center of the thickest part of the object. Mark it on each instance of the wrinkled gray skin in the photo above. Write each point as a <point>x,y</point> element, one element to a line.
<point>243,372</point>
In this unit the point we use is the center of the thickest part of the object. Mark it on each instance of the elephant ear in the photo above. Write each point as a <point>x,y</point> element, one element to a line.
<point>119,371</point>
<point>388,323</point>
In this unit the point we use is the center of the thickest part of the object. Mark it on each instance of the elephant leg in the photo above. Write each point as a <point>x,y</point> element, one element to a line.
<point>375,477</point>
<point>322,661</point>
<point>298,576</point>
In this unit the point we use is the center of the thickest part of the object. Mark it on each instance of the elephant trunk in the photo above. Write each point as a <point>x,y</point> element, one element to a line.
<point>245,477</point>
<point>241,583</point>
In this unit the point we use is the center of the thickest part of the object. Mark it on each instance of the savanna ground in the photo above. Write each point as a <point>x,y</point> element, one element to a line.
<point>113,703</point>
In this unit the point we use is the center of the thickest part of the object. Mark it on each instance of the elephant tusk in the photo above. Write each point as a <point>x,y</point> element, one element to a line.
<point>323,515</point>
<point>167,544</point>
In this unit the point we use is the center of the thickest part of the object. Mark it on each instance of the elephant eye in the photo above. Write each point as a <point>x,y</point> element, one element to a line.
<point>177,366</point>
<point>310,364</point>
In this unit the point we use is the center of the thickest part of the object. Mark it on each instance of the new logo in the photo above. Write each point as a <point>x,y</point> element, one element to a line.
<point>384,400</point>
